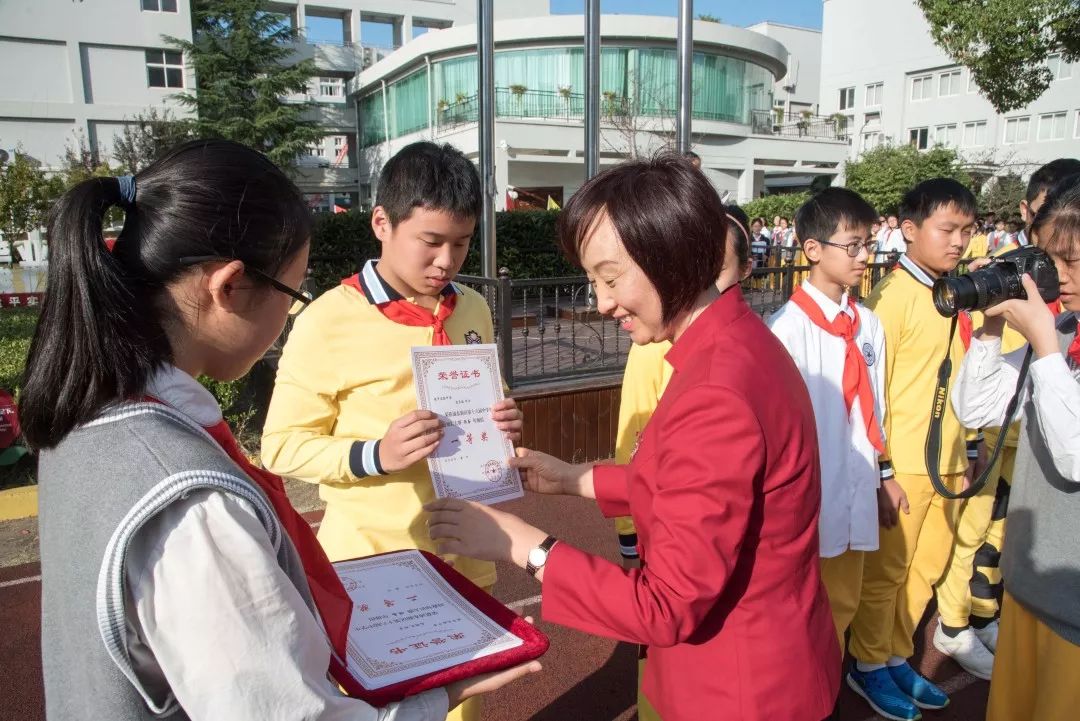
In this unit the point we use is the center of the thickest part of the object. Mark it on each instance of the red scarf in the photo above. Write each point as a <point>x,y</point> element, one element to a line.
<point>406,313</point>
<point>1074,350</point>
<point>331,600</point>
<point>856,378</point>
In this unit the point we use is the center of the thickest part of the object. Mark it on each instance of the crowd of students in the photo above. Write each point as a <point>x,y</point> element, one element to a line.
<point>774,525</point>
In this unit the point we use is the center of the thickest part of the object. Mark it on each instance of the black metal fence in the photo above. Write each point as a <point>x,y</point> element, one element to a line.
<point>549,328</point>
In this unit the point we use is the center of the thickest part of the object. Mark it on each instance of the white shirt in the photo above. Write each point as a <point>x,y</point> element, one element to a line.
<point>893,242</point>
<point>849,462</point>
<point>986,383</point>
<point>213,615</point>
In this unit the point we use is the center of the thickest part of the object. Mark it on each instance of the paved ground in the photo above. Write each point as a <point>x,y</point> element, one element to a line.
<point>585,678</point>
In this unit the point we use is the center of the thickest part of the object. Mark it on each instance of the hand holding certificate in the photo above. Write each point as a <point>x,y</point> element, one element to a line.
<point>417,624</point>
<point>461,384</point>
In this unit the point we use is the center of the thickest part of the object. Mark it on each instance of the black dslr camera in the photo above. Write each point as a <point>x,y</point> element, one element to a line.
<point>997,282</point>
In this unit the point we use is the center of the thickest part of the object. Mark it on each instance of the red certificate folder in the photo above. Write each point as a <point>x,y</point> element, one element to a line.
<point>534,645</point>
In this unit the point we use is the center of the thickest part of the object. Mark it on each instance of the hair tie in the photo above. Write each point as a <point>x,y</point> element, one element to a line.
<point>127,191</point>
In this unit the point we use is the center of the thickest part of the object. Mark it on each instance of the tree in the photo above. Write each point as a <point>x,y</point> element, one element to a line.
<point>241,56</point>
<point>25,194</point>
<point>884,174</point>
<point>1002,196</point>
<point>771,206</point>
<point>148,137</point>
<point>1005,43</point>
<point>81,162</point>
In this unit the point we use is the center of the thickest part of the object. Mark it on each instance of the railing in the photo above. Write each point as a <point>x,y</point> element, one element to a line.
<point>549,328</point>
<point>515,102</point>
<point>766,122</point>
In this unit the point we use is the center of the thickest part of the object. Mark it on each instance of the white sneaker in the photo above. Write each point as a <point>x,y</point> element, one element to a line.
<point>967,650</point>
<point>988,635</point>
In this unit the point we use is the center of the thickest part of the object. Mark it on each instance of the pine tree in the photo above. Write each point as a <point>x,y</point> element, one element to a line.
<point>241,55</point>
<point>148,138</point>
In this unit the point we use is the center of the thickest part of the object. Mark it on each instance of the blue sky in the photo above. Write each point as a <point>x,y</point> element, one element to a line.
<point>806,13</point>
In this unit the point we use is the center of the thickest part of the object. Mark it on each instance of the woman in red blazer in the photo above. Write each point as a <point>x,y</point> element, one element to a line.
<point>723,487</point>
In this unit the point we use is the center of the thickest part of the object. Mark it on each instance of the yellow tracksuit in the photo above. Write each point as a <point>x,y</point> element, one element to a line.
<point>644,380</point>
<point>898,579</point>
<point>345,374</point>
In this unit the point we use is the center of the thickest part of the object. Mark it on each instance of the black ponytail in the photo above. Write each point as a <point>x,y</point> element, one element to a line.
<point>101,333</point>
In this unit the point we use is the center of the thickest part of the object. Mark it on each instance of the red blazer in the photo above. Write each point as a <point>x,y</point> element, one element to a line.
<point>724,490</point>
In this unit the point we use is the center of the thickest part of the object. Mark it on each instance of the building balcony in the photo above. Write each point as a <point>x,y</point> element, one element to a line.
<point>798,126</point>
<point>336,116</point>
<point>344,56</point>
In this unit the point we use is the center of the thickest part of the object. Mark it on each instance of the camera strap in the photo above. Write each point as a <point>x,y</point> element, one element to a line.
<point>937,413</point>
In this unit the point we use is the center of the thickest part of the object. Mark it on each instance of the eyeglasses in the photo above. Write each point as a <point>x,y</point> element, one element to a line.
<point>301,296</point>
<point>853,249</point>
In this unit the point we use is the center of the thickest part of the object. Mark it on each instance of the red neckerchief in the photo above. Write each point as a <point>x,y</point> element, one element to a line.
<point>1074,350</point>
<point>406,313</point>
<point>856,378</point>
<point>331,600</point>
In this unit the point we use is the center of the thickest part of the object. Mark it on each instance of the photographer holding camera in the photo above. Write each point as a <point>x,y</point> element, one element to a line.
<point>1038,648</point>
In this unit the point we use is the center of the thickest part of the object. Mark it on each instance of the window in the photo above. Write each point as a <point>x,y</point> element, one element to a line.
<point>165,68</point>
<point>871,118</point>
<point>919,137</point>
<point>922,87</point>
<point>945,135</point>
<point>1016,130</point>
<point>871,140</point>
<point>1051,127</point>
<point>847,98</point>
<point>1059,68</point>
<point>975,134</point>
<point>162,6</point>
<point>873,95</point>
<point>330,88</point>
<point>949,83</point>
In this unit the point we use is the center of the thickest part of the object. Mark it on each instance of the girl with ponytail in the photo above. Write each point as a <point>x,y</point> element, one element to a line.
<point>176,578</point>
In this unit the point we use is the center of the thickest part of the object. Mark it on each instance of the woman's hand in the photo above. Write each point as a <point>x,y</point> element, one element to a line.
<point>546,474</point>
<point>1031,318</point>
<point>478,531</point>
<point>508,418</point>
<point>890,498</point>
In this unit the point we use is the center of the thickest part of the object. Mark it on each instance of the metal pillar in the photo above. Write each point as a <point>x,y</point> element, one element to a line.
<point>592,88</point>
<point>485,53</point>
<point>685,51</point>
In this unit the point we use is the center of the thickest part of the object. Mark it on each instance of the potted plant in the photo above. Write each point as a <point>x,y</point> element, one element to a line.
<point>565,92</point>
<point>442,105</point>
<point>460,97</point>
<point>804,121</point>
<point>517,90</point>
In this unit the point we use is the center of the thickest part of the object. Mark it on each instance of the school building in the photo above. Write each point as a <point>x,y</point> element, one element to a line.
<point>882,71</point>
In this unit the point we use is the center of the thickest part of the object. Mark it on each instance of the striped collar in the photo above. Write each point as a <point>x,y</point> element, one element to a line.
<point>378,291</point>
<point>1022,239</point>
<point>916,272</point>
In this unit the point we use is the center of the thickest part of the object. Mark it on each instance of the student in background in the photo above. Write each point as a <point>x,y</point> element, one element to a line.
<point>343,413</point>
<point>969,594</point>
<point>898,579</point>
<point>839,348</point>
<point>1039,644</point>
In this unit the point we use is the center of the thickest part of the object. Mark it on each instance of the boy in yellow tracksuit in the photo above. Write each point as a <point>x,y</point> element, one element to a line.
<point>969,594</point>
<point>898,579</point>
<point>644,379</point>
<point>343,413</point>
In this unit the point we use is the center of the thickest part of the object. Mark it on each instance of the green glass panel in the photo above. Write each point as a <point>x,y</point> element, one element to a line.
<point>408,104</point>
<point>372,129</point>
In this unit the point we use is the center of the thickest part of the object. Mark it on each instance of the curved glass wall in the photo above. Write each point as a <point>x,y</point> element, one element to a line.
<point>549,83</point>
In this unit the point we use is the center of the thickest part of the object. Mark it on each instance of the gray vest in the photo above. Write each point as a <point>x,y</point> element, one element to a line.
<point>97,489</point>
<point>1041,558</point>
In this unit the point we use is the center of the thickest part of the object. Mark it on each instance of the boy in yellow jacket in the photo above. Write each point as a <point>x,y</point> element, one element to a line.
<point>918,524</point>
<point>343,413</point>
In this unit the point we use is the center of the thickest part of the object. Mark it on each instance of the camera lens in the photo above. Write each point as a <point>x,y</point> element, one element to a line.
<point>952,295</point>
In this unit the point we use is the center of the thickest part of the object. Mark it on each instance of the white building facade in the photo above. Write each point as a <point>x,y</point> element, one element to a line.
<point>798,90</point>
<point>427,91</point>
<point>881,69</point>
<point>84,69</point>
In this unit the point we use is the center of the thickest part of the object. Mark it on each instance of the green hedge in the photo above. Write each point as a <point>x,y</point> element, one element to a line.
<point>773,205</point>
<point>526,244</point>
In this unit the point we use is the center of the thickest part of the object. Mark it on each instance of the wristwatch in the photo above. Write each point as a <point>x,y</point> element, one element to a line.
<point>539,556</point>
